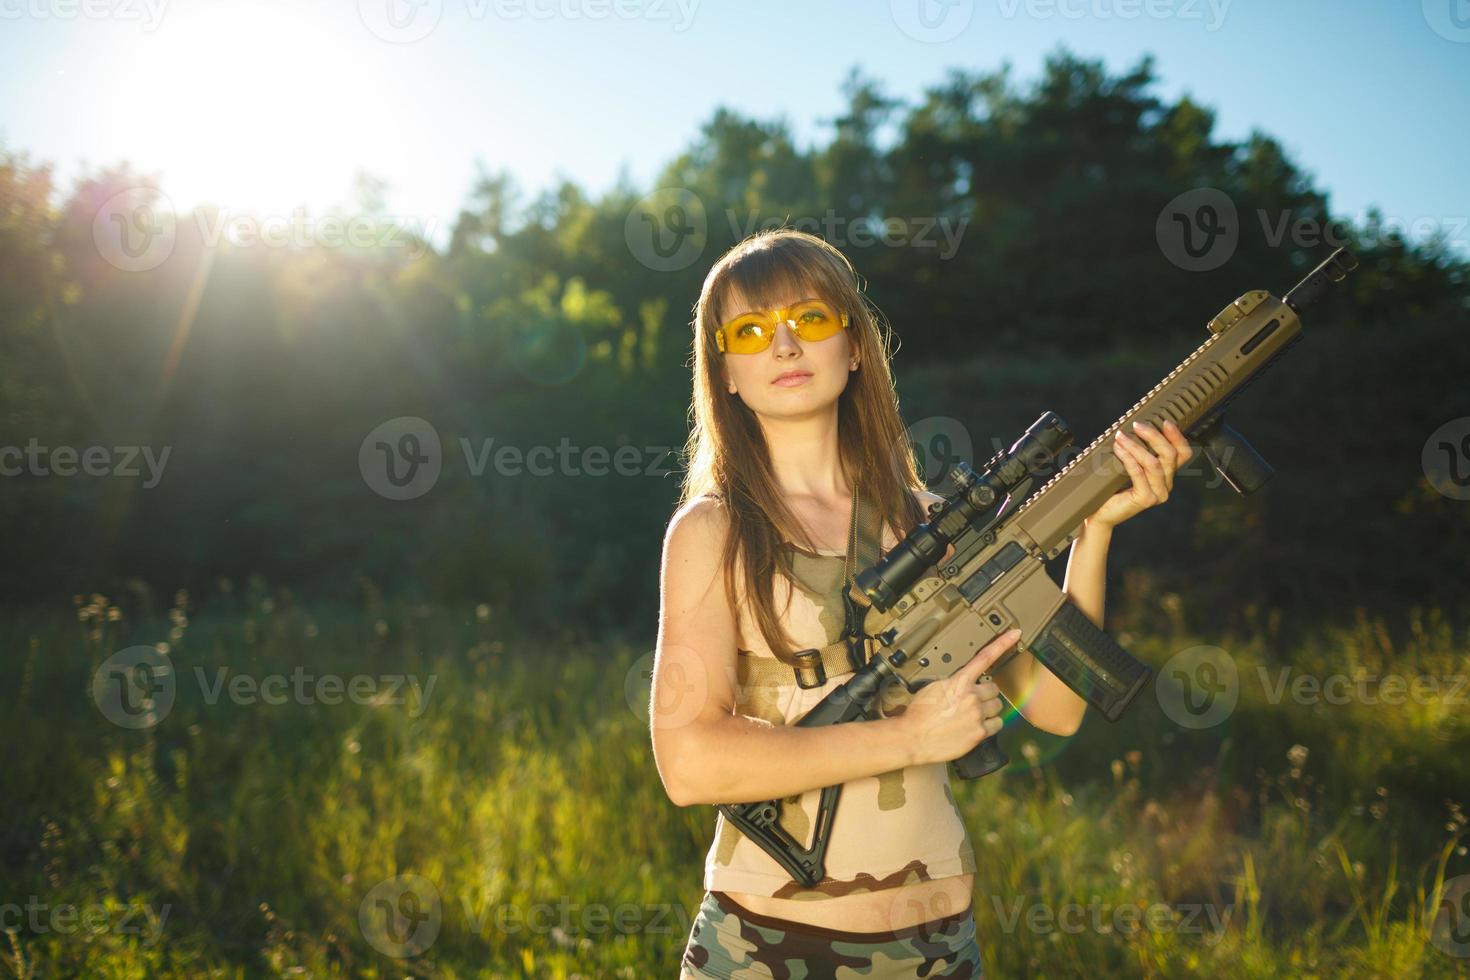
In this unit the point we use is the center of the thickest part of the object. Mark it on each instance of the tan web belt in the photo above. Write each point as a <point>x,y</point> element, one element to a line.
<point>753,671</point>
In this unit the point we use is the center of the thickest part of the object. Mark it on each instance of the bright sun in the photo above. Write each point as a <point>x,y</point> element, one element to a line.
<point>250,105</point>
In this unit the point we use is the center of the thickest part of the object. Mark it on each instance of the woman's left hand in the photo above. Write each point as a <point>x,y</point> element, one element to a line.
<point>1152,472</point>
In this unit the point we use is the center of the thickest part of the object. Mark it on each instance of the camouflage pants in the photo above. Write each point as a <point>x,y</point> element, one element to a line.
<point>731,943</point>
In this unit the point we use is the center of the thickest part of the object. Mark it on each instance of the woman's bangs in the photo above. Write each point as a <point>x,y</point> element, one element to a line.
<point>763,278</point>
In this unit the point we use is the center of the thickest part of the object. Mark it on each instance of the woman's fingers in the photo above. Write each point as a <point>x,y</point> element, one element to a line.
<point>1162,457</point>
<point>1171,446</point>
<point>1152,457</point>
<point>1127,455</point>
<point>1151,466</point>
<point>1180,440</point>
<point>988,655</point>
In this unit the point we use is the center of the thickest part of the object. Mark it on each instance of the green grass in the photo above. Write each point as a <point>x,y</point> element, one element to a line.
<point>1292,840</point>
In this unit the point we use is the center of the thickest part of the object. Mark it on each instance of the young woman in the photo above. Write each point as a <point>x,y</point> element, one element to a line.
<point>794,411</point>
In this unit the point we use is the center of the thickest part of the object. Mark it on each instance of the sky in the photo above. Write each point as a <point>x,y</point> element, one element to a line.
<point>276,105</point>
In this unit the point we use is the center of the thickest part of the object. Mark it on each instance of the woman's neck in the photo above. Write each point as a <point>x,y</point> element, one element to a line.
<point>805,458</point>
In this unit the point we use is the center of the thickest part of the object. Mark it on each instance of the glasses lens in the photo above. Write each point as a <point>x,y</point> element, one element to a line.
<point>749,334</point>
<point>752,333</point>
<point>815,320</point>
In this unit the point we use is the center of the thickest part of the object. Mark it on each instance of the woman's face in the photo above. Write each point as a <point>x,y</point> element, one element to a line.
<point>826,364</point>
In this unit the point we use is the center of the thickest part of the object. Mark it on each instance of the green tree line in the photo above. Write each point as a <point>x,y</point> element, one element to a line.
<point>1013,236</point>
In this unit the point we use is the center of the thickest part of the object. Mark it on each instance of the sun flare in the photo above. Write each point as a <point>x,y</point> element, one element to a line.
<point>251,105</point>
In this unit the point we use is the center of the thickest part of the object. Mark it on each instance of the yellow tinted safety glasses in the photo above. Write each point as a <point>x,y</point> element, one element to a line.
<point>751,333</point>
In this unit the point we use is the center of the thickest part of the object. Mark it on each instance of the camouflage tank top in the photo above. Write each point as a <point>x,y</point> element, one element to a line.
<point>893,829</point>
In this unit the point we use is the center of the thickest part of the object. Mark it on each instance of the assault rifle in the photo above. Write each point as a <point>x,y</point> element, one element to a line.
<point>938,617</point>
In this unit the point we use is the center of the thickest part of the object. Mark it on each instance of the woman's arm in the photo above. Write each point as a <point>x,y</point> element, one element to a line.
<point>738,759</point>
<point>705,753</point>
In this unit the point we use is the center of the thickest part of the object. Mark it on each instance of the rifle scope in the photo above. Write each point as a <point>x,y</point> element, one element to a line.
<point>972,501</point>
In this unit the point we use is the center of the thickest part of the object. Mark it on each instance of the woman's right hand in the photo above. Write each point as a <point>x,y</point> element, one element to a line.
<point>947,718</point>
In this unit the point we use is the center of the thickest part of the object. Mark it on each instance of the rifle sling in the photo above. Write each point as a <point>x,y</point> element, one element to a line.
<point>836,658</point>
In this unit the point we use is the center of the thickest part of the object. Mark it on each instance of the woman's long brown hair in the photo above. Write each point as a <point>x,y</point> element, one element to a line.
<point>726,452</point>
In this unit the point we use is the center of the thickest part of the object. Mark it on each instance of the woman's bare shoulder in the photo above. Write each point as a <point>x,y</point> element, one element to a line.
<point>707,502</point>
<point>702,518</point>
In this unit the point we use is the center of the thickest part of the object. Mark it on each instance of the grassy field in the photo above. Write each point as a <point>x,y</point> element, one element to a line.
<point>504,817</point>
